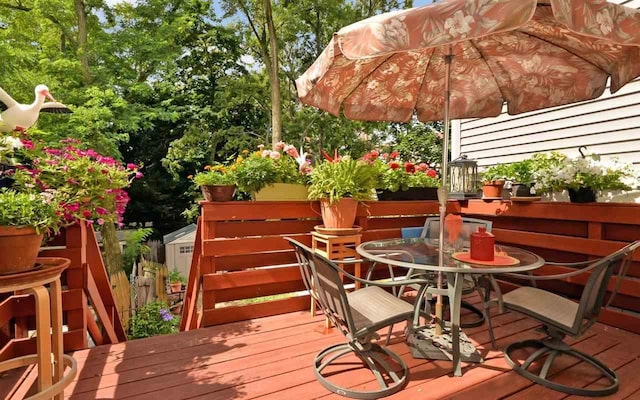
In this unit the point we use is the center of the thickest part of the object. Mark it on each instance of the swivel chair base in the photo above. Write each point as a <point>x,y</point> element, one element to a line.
<point>551,348</point>
<point>374,358</point>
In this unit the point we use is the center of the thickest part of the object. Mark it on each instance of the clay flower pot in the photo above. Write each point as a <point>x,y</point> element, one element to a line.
<point>218,192</point>
<point>341,214</point>
<point>175,287</point>
<point>19,248</point>
<point>492,188</point>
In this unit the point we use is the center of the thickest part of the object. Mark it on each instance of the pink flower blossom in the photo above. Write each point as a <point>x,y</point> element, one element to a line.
<point>86,213</point>
<point>422,167</point>
<point>291,150</point>
<point>28,144</point>
<point>266,153</point>
<point>132,166</point>
<point>275,155</point>
<point>102,210</point>
<point>279,146</point>
<point>100,221</point>
<point>139,175</point>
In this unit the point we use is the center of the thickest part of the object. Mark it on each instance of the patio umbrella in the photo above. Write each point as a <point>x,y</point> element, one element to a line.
<point>467,58</point>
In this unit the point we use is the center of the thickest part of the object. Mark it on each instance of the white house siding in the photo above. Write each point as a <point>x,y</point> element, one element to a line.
<point>609,126</point>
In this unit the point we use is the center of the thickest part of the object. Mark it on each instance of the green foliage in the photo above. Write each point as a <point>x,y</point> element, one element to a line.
<point>495,172</point>
<point>254,171</point>
<point>135,247</point>
<point>345,177</point>
<point>418,142</point>
<point>29,209</point>
<point>215,175</point>
<point>394,174</point>
<point>153,319</point>
<point>175,276</point>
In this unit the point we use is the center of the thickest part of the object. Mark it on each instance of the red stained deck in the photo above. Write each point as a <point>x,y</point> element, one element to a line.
<point>272,357</point>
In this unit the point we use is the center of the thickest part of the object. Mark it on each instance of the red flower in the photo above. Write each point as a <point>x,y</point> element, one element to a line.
<point>432,173</point>
<point>394,165</point>
<point>409,167</point>
<point>422,167</point>
<point>394,154</point>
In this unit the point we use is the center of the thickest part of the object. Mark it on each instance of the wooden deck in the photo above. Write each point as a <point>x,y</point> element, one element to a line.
<point>270,358</point>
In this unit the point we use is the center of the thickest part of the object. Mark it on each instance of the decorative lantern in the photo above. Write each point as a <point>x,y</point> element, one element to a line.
<point>463,179</point>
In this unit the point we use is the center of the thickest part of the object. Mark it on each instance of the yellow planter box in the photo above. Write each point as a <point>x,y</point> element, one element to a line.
<point>282,192</point>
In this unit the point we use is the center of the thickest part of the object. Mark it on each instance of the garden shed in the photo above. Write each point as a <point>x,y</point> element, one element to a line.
<point>178,247</point>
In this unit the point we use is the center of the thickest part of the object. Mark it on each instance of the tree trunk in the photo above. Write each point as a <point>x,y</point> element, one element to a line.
<point>112,254</point>
<point>83,35</point>
<point>276,105</point>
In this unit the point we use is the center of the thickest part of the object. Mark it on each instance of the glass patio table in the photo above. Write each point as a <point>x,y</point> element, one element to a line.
<point>420,255</point>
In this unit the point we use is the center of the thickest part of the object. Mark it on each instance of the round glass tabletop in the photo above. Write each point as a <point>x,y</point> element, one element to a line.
<point>422,253</point>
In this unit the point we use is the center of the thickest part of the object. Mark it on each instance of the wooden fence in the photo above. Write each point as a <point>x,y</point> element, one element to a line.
<point>240,252</point>
<point>89,308</point>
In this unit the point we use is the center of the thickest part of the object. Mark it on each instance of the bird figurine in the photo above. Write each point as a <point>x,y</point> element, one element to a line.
<point>20,117</point>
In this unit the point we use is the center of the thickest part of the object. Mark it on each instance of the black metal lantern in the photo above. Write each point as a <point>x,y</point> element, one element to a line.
<point>463,179</point>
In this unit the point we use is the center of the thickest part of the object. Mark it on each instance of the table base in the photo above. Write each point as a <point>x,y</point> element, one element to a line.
<point>424,343</point>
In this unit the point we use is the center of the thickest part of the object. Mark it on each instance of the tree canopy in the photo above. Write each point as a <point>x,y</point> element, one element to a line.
<point>175,85</point>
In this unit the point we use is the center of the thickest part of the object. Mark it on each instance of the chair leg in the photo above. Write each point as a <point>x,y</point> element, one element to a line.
<point>487,310</point>
<point>551,348</point>
<point>374,357</point>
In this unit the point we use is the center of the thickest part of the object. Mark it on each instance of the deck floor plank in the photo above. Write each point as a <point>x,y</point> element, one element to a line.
<point>271,358</point>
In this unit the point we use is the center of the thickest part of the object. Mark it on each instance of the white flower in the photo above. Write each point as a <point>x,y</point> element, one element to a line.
<point>458,24</point>
<point>11,143</point>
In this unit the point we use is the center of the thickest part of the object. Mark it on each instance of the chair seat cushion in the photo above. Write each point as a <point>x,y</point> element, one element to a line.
<point>373,305</point>
<point>547,305</point>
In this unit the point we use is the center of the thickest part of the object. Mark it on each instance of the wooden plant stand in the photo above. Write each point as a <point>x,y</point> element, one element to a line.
<point>50,358</point>
<point>337,248</point>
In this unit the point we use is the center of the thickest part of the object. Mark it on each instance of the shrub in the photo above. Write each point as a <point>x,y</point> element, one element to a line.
<point>153,319</point>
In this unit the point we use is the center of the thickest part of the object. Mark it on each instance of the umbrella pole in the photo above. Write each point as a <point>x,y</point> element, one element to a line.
<point>443,193</point>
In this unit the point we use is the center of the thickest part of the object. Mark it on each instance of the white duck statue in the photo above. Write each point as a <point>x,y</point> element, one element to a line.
<point>20,117</point>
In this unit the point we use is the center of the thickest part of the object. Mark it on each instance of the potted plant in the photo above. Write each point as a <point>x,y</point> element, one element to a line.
<point>216,182</point>
<point>89,186</point>
<point>493,180</point>
<point>273,175</point>
<point>403,180</point>
<point>340,184</point>
<point>584,177</point>
<point>521,176</point>
<point>24,219</point>
<point>176,280</point>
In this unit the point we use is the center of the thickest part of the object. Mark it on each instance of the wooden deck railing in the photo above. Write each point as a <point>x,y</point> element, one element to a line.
<point>240,252</point>
<point>87,300</point>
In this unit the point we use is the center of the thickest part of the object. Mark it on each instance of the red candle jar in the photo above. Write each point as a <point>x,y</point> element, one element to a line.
<point>482,245</point>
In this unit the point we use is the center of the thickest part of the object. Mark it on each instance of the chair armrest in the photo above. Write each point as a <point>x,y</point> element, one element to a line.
<point>390,284</point>
<point>551,277</point>
<point>572,264</point>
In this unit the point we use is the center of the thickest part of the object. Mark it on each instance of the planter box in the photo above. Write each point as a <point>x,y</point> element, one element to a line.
<point>409,194</point>
<point>282,192</point>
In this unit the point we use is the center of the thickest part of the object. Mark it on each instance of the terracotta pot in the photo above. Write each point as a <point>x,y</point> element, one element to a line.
<point>492,188</point>
<point>339,215</point>
<point>175,287</point>
<point>218,192</point>
<point>582,195</point>
<point>19,248</point>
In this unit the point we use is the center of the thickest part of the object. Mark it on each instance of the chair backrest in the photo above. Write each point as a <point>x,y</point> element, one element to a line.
<point>411,232</point>
<point>431,228</point>
<point>596,287</point>
<point>325,285</point>
<point>303,255</point>
<point>332,294</point>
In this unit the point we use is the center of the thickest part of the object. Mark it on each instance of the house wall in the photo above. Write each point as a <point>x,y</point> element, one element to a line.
<point>609,126</point>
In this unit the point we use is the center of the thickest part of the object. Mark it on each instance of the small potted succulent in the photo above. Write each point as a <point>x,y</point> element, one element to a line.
<point>24,219</point>
<point>340,183</point>
<point>216,182</point>
<point>176,280</point>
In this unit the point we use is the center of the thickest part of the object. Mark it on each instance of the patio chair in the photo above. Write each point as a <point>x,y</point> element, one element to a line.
<point>561,316</point>
<point>358,315</point>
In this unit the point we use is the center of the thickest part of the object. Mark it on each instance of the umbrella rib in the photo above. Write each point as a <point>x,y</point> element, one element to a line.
<point>504,99</point>
<point>362,80</point>
<point>433,50</point>
<point>563,48</point>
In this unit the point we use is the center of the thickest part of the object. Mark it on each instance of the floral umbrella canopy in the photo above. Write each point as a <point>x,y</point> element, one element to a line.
<point>467,58</point>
